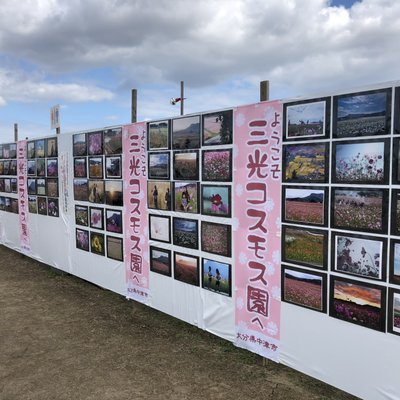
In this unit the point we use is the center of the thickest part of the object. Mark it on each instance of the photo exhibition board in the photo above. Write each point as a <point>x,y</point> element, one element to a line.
<point>185,215</point>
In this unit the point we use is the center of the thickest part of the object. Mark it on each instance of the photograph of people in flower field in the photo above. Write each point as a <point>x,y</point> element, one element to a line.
<point>158,135</point>
<point>360,162</point>
<point>217,128</point>
<point>305,162</point>
<point>79,145</point>
<point>394,311</point>
<point>304,288</point>
<point>81,189</point>
<point>395,262</point>
<point>159,195</point>
<point>95,143</point>
<point>186,269</point>
<point>186,165</point>
<point>112,139</point>
<point>160,261</point>
<point>160,228</point>
<point>97,243</point>
<point>96,167</point>
<point>216,200</point>
<point>358,303</point>
<point>186,132</point>
<point>305,204</point>
<point>304,246</point>
<point>360,256</point>
<point>159,165</point>
<point>81,215</point>
<point>186,197</point>
<point>362,114</point>
<point>359,209</point>
<point>217,165</point>
<point>217,277</point>
<point>305,120</point>
<point>185,232</point>
<point>115,248</point>
<point>82,239</point>
<point>216,238</point>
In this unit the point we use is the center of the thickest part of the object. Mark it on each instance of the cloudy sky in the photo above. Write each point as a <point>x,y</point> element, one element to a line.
<point>88,55</point>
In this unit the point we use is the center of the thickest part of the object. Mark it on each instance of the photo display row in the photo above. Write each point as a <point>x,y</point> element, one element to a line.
<point>8,151</point>
<point>107,142</point>
<point>326,268</point>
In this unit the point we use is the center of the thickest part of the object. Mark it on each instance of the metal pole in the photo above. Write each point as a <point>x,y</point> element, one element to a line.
<point>264,90</point>
<point>15,132</point>
<point>58,130</point>
<point>134,106</point>
<point>182,96</point>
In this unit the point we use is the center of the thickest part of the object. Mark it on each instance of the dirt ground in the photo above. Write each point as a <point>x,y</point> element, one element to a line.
<point>64,338</point>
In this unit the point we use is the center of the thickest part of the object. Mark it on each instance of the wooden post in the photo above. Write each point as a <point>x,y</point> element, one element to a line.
<point>58,130</point>
<point>264,90</point>
<point>182,97</point>
<point>15,132</point>
<point>134,106</point>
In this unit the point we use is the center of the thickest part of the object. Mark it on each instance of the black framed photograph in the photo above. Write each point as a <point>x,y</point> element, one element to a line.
<point>186,165</point>
<point>40,148</point>
<point>96,191</point>
<point>53,208</point>
<point>307,119</point>
<point>80,169</point>
<point>6,167</point>
<point>96,218</point>
<point>359,255</point>
<point>2,168</point>
<point>41,187</point>
<point>395,212</point>
<point>7,185</point>
<point>186,269</point>
<point>160,261</point>
<point>42,205</point>
<point>362,114</point>
<point>96,167</point>
<point>31,168</point>
<point>79,144</point>
<point>159,165</point>
<point>303,246</point>
<point>95,143</point>
<point>112,139</point>
<point>51,147</point>
<point>216,200</point>
<point>81,215</point>
<point>30,149</point>
<point>6,151</point>
<point>394,311</point>
<point>82,239</point>
<point>114,220</point>
<point>31,186</point>
<point>81,190</point>
<point>13,150</point>
<point>97,244</point>
<point>41,167</point>
<point>359,303</point>
<point>217,277</point>
<point>13,168</point>
<point>52,167</point>
<point>396,127</point>
<point>115,248</point>
<point>360,209</point>
<point>216,238</point>
<point>217,165</point>
<point>394,267</point>
<point>186,232</point>
<point>14,207</point>
<point>113,167</point>
<point>186,197</point>
<point>186,132</point>
<point>217,128</point>
<point>52,187</point>
<point>1,152</point>
<point>32,204</point>
<point>305,205</point>
<point>306,163</point>
<point>158,135</point>
<point>396,161</point>
<point>2,185</point>
<point>160,228</point>
<point>361,161</point>
<point>304,288</point>
<point>159,195</point>
<point>114,193</point>
<point>13,183</point>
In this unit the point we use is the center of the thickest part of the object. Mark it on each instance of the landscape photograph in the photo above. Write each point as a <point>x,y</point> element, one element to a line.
<point>186,165</point>
<point>112,139</point>
<point>96,167</point>
<point>52,167</point>
<point>81,215</point>
<point>394,321</point>
<point>31,168</point>
<point>80,167</point>
<point>114,221</point>
<point>79,144</point>
<point>160,261</point>
<point>186,269</point>
<point>158,135</point>
<point>81,189</point>
<point>217,277</point>
<point>305,205</point>
<point>113,167</point>
<point>305,163</point>
<point>185,232</point>
<point>115,248</point>
<point>362,114</point>
<point>41,167</point>
<point>52,187</point>
<point>303,288</point>
<point>159,165</point>
<point>30,147</point>
<point>394,276</point>
<point>32,204</point>
<point>114,193</point>
<point>186,132</point>
<point>217,128</point>
<point>95,143</point>
<point>358,303</point>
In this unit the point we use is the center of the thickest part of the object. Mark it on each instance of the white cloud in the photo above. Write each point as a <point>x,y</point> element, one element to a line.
<point>2,101</point>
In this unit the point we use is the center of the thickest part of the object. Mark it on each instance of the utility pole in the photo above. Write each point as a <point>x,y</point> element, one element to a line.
<point>264,90</point>
<point>134,106</point>
<point>15,132</point>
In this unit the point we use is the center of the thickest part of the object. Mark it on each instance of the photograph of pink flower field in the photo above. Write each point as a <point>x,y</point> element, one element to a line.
<point>217,165</point>
<point>216,238</point>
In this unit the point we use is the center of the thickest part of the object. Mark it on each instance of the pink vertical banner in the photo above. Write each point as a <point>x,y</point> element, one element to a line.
<point>135,212</point>
<point>22,186</point>
<point>257,239</point>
